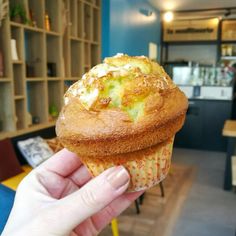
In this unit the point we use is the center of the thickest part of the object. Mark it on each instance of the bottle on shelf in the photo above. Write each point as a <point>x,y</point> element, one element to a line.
<point>14,53</point>
<point>47,22</point>
<point>32,18</point>
<point>28,119</point>
<point>223,50</point>
<point>229,50</point>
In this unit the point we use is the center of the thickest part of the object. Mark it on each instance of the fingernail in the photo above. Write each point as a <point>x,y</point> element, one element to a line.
<point>118,177</point>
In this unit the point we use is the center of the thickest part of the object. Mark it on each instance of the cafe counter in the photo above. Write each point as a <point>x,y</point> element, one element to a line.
<point>205,119</point>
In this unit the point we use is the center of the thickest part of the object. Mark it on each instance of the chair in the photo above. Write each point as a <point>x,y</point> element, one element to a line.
<point>114,227</point>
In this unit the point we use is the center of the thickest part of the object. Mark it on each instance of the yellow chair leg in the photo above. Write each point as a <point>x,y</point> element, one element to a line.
<point>114,227</point>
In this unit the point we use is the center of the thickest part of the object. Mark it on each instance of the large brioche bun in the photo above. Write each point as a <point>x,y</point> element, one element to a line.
<point>119,108</point>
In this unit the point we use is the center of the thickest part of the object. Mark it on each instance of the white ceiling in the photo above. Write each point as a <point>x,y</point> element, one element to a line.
<point>164,5</point>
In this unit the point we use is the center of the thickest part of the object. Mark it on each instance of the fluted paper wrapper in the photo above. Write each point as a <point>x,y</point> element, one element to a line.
<point>145,172</point>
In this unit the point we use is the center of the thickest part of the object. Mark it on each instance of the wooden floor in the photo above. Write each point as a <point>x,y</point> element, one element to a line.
<point>158,215</point>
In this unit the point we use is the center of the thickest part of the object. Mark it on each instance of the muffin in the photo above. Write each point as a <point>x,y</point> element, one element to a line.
<point>124,111</point>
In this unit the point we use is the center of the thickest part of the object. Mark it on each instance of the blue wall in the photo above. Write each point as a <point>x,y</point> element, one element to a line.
<point>126,28</point>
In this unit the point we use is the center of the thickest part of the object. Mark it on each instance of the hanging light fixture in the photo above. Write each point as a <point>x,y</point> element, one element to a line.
<point>168,16</point>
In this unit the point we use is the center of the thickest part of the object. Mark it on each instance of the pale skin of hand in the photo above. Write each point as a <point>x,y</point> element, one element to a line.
<point>59,198</point>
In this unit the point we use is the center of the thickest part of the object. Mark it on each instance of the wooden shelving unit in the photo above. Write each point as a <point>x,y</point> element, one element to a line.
<point>84,37</point>
<point>226,35</point>
<point>49,60</point>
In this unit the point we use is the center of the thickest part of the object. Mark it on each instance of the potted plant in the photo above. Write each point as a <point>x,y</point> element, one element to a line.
<point>18,13</point>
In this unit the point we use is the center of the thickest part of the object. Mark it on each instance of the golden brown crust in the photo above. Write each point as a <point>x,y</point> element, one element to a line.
<point>123,105</point>
<point>121,82</point>
<point>127,143</point>
<point>130,156</point>
<point>110,131</point>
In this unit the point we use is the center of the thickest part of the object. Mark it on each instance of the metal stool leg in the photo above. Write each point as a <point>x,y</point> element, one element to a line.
<point>141,199</point>
<point>137,207</point>
<point>162,189</point>
<point>114,227</point>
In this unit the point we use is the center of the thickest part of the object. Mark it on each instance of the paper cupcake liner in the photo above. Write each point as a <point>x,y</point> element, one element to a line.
<point>145,172</point>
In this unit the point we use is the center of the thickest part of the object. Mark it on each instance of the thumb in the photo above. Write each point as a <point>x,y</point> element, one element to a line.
<point>92,197</point>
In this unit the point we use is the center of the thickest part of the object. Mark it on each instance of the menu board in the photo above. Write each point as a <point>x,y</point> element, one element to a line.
<point>190,30</point>
<point>228,30</point>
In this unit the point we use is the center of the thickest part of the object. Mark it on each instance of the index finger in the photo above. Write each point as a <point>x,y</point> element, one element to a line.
<point>63,163</point>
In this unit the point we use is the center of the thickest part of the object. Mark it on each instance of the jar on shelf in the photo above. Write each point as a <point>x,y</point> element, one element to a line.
<point>223,50</point>
<point>229,50</point>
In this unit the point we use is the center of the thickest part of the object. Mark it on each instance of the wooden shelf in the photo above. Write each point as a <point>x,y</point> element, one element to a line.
<point>228,30</point>
<point>53,33</point>
<point>87,40</point>
<point>30,129</point>
<point>35,79</point>
<point>28,27</point>
<point>17,62</point>
<point>19,97</point>
<point>34,29</point>
<point>95,43</point>
<point>199,42</point>
<point>49,60</point>
<point>226,34</point>
<point>5,80</point>
<point>77,38</point>
<point>71,79</point>
<point>84,40</point>
<point>12,23</point>
<point>54,79</point>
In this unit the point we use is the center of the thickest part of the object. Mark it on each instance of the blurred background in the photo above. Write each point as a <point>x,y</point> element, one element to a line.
<point>46,46</point>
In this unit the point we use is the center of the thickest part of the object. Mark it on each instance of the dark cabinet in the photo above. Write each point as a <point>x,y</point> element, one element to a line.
<point>191,134</point>
<point>203,125</point>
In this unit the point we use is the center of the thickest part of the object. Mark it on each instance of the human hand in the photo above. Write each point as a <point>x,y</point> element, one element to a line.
<point>59,198</point>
